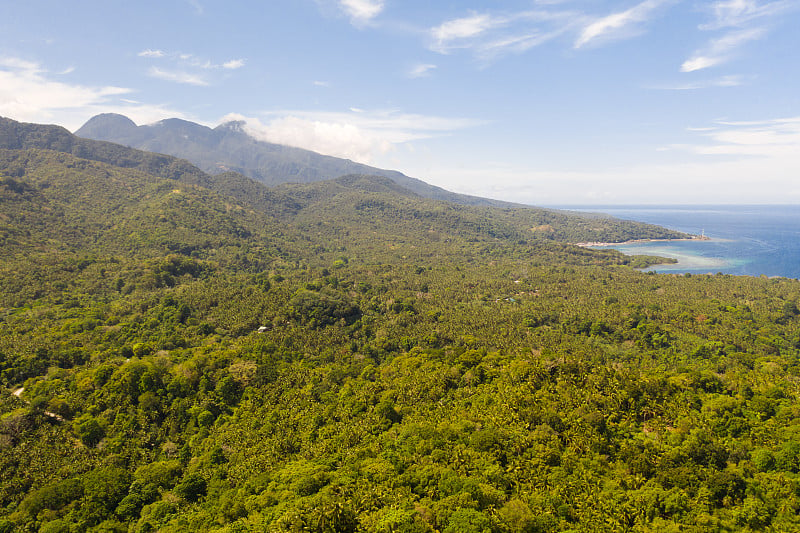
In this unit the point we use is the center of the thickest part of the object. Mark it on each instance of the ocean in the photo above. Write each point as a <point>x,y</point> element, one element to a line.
<point>752,240</point>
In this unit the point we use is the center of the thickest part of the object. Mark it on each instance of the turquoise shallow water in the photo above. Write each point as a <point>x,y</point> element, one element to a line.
<point>745,240</point>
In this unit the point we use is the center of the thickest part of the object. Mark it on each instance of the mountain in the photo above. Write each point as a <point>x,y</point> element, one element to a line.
<point>63,197</point>
<point>25,136</point>
<point>228,147</point>
<point>22,136</point>
<point>399,203</point>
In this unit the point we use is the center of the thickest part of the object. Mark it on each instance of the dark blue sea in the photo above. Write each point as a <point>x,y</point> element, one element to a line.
<point>745,240</point>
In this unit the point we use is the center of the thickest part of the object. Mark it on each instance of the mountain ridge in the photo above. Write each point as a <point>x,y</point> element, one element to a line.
<point>228,147</point>
<point>290,199</point>
<point>21,136</point>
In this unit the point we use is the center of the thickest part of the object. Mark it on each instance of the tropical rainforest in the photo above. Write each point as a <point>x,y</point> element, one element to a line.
<point>186,352</point>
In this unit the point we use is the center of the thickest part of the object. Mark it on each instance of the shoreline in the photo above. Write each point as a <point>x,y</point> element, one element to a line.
<point>639,241</point>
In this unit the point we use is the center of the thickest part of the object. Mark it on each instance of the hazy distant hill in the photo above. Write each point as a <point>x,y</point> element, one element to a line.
<point>229,147</point>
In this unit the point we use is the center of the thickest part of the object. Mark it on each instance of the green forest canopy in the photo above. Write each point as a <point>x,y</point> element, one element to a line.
<point>208,354</point>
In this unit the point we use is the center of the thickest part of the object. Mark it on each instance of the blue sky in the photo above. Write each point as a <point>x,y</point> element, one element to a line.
<point>548,102</point>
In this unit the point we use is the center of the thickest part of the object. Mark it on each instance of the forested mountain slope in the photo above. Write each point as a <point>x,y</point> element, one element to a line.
<point>20,136</point>
<point>360,202</point>
<point>288,200</point>
<point>347,356</point>
<point>229,147</point>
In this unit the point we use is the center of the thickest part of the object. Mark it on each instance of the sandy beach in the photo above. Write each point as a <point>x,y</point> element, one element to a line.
<point>640,241</point>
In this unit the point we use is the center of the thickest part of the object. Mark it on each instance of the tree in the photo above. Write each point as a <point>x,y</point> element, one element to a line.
<point>89,430</point>
<point>192,488</point>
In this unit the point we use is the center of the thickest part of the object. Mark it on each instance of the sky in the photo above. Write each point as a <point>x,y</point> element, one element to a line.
<point>545,102</point>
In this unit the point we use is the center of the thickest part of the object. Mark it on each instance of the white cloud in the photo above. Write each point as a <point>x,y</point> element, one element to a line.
<point>233,64</point>
<point>462,28</point>
<point>177,76</point>
<point>715,180</point>
<point>421,70</point>
<point>699,63</point>
<point>358,135</point>
<point>723,162</point>
<point>517,43</point>
<point>186,68</point>
<point>737,18</point>
<point>16,63</point>
<point>28,94</point>
<point>720,50</point>
<point>763,139</point>
<point>331,138</point>
<point>151,53</point>
<point>362,11</point>
<point>319,83</point>
<point>730,161</point>
<point>731,13</point>
<point>724,81</point>
<point>490,36</point>
<point>618,25</point>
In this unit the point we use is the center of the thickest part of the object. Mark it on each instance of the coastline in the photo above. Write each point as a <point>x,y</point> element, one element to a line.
<point>685,259</point>
<point>745,240</point>
<point>639,241</point>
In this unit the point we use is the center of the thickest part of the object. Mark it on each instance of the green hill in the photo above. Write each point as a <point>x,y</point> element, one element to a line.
<point>202,353</point>
<point>229,147</point>
<point>289,200</point>
<point>21,136</point>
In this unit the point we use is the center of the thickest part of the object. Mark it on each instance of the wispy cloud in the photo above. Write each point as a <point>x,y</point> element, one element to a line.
<point>732,13</point>
<point>151,53</point>
<point>15,63</point>
<point>358,134</point>
<point>490,36</point>
<point>320,83</point>
<point>619,25</point>
<point>711,181</point>
<point>768,138</point>
<point>186,68</point>
<point>362,11</point>
<point>29,93</point>
<point>724,81</point>
<point>742,21</point>
<point>177,76</point>
<point>233,64</point>
<point>198,7</point>
<point>720,50</point>
<point>421,70</point>
<point>453,33</point>
<point>518,43</point>
<point>722,163</point>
